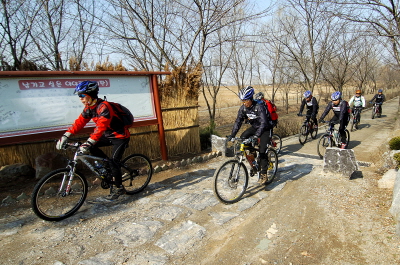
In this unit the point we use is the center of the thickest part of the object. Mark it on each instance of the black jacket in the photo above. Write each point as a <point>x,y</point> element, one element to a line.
<point>256,115</point>
<point>341,110</point>
<point>312,106</point>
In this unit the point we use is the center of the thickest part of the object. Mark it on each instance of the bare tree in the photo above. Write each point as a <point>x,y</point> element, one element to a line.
<point>305,32</point>
<point>50,30</point>
<point>15,25</point>
<point>154,34</point>
<point>382,17</point>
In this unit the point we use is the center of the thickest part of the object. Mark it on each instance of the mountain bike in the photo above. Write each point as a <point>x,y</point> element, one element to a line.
<point>376,110</point>
<point>231,179</point>
<point>308,128</point>
<point>61,193</point>
<point>355,118</point>
<point>331,139</point>
<point>276,143</point>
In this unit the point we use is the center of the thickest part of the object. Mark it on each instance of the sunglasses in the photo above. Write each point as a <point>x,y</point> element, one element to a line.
<point>81,95</point>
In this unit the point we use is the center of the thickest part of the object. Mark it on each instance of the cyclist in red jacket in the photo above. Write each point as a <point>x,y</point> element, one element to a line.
<point>109,130</point>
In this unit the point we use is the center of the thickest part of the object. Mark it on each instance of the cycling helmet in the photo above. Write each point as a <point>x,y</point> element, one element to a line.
<point>246,93</point>
<point>336,95</point>
<point>90,88</point>
<point>358,91</point>
<point>259,95</point>
<point>307,94</point>
<point>380,91</point>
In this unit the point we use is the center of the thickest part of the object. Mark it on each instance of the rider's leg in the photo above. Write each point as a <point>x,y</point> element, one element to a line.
<point>265,138</point>
<point>119,146</point>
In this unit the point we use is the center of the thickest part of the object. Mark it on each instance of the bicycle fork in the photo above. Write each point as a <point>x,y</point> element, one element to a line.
<point>65,188</point>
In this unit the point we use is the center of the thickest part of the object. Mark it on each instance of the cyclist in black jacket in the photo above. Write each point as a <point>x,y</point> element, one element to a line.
<point>341,112</point>
<point>379,98</point>
<point>261,126</point>
<point>312,107</point>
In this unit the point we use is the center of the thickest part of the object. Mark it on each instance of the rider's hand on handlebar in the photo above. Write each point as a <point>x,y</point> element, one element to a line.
<point>229,138</point>
<point>61,143</point>
<point>299,114</point>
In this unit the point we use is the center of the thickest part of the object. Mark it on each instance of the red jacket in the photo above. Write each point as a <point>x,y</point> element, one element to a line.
<point>106,122</point>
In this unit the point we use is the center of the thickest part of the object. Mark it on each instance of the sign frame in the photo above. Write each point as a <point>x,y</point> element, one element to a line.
<point>36,135</point>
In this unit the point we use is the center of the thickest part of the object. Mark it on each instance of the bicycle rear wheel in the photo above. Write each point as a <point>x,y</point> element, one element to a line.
<point>324,142</point>
<point>136,172</point>
<point>230,181</point>
<point>272,165</point>
<point>276,143</point>
<point>51,199</point>
<point>303,134</point>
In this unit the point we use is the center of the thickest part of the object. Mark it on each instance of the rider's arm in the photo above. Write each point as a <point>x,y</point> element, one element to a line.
<point>351,100</point>
<point>315,106</point>
<point>327,109</point>
<point>373,98</point>
<point>238,122</point>
<point>262,112</point>
<point>363,101</point>
<point>344,109</point>
<point>80,122</point>
<point>102,121</point>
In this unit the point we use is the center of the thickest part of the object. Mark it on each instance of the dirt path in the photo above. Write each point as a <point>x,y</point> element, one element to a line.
<point>306,216</point>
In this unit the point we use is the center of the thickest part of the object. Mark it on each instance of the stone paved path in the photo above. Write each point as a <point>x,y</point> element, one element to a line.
<point>170,219</point>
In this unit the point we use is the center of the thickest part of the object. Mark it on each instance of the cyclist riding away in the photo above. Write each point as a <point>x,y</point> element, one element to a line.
<point>358,101</point>
<point>340,109</point>
<point>256,115</point>
<point>379,98</point>
<point>109,130</point>
<point>312,107</point>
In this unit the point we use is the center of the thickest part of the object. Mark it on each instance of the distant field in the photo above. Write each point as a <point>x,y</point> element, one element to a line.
<point>228,104</point>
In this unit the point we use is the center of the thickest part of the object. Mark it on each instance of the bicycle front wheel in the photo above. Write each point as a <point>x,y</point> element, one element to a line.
<point>353,124</point>
<point>230,181</point>
<point>53,199</point>
<point>272,165</point>
<point>276,143</point>
<point>136,172</point>
<point>373,112</point>
<point>347,138</point>
<point>324,142</point>
<point>303,134</point>
<point>314,131</point>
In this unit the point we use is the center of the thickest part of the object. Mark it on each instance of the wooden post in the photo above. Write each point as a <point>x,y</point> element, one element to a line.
<point>160,124</point>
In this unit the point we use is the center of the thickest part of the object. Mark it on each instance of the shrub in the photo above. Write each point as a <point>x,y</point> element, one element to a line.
<point>394,143</point>
<point>397,159</point>
<point>205,136</point>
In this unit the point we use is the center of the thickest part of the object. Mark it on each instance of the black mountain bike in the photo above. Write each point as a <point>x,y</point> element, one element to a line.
<point>231,179</point>
<point>331,139</point>
<point>61,193</point>
<point>355,118</point>
<point>375,110</point>
<point>308,128</point>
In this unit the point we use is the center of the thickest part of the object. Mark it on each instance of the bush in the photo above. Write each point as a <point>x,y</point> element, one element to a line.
<point>205,136</point>
<point>394,143</point>
<point>396,158</point>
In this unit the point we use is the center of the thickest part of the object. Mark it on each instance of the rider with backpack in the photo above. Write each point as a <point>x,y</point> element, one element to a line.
<point>312,107</point>
<point>111,130</point>
<point>256,115</point>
